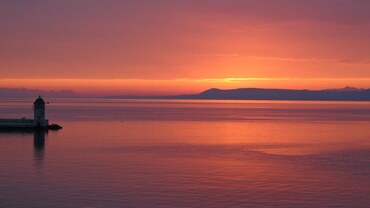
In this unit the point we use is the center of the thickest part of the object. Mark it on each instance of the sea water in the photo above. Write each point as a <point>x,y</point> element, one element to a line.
<point>188,153</point>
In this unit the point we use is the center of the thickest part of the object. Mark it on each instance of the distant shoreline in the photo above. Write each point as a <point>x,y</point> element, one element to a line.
<point>145,98</point>
<point>345,94</point>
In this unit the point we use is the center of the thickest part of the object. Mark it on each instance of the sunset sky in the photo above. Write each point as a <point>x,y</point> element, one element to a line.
<point>183,46</point>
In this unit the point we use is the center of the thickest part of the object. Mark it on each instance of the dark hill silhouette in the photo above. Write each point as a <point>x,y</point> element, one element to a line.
<point>347,88</point>
<point>345,94</point>
<point>282,94</point>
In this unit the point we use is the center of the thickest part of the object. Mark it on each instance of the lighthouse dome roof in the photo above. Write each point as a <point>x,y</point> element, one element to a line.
<point>39,100</point>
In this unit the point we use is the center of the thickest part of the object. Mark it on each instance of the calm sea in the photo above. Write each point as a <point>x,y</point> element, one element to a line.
<point>187,153</point>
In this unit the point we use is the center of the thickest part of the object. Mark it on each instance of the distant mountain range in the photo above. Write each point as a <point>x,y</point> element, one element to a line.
<point>32,93</point>
<point>344,94</point>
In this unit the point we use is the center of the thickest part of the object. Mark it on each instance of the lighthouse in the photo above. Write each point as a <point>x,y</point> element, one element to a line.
<point>39,112</point>
<point>39,122</point>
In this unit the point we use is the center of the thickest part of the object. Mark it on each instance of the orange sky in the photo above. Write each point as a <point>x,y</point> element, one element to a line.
<point>174,46</point>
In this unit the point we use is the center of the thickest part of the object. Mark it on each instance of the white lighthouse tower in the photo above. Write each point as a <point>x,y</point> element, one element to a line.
<point>39,112</point>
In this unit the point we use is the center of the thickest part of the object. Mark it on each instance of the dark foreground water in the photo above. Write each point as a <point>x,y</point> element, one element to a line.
<point>166,153</point>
